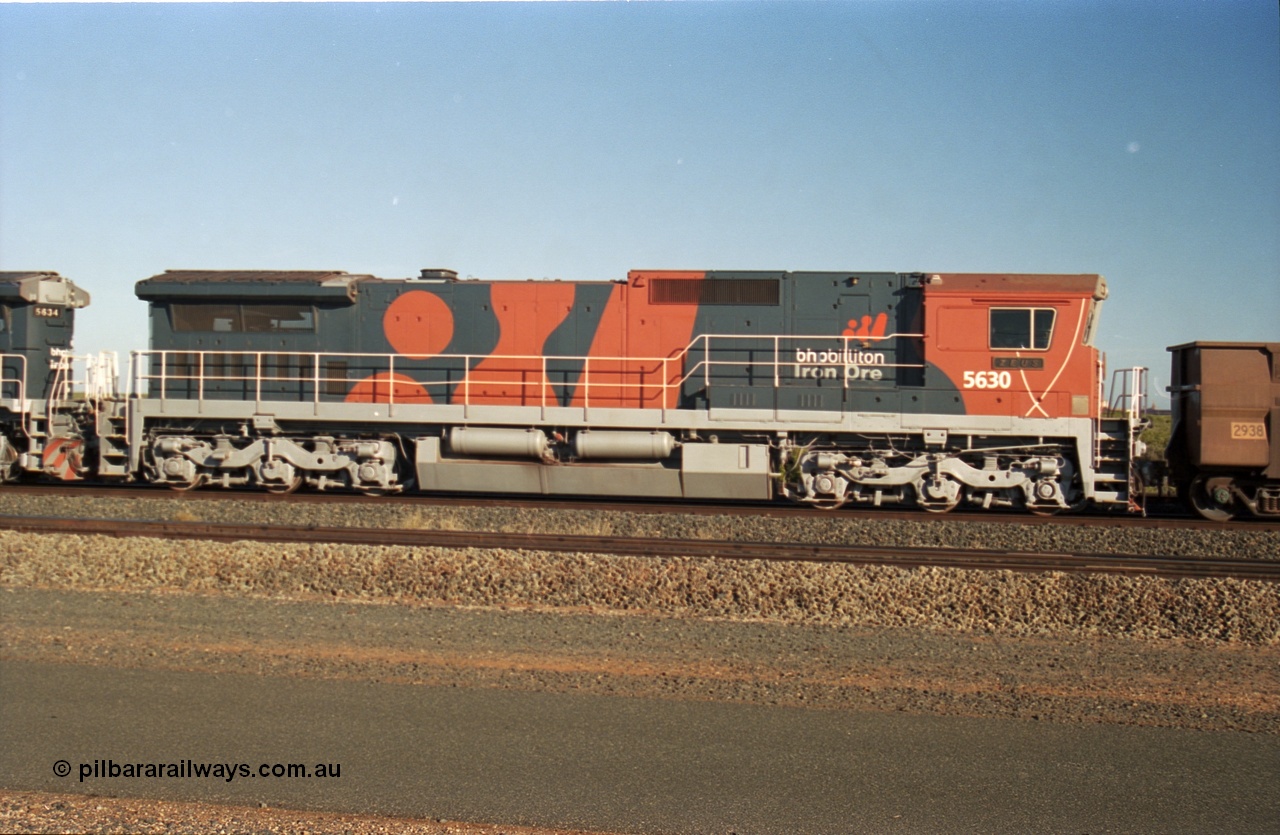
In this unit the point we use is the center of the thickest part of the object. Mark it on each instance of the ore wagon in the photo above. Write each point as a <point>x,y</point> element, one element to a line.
<point>1222,451</point>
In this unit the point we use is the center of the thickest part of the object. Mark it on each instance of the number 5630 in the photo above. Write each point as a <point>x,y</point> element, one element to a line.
<point>987,379</point>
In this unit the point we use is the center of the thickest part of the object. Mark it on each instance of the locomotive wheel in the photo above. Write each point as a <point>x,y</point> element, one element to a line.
<point>1076,506</point>
<point>185,486</point>
<point>8,461</point>
<point>1208,505</point>
<point>378,492</point>
<point>284,488</point>
<point>941,496</point>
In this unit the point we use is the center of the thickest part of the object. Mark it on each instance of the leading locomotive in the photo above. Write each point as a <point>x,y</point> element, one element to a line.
<point>826,388</point>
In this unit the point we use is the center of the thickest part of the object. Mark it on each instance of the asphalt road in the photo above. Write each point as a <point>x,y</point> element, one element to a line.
<point>622,764</point>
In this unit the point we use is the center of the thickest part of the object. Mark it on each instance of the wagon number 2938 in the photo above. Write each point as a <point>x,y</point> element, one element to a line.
<point>987,379</point>
<point>1248,431</point>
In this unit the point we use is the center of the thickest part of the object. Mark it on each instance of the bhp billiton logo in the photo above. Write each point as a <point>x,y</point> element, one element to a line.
<point>867,330</point>
<point>846,363</point>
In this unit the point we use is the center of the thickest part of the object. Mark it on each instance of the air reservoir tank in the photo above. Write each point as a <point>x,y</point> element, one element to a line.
<point>505,443</point>
<point>650,446</point>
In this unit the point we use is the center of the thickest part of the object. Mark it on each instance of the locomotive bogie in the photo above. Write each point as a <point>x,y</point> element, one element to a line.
<point>277,464</point>
<point>898,471</point>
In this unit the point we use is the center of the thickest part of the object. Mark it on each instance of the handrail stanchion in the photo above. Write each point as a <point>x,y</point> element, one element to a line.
<point>666,389</point>
<point>777,371</point>
<point>706,362</point>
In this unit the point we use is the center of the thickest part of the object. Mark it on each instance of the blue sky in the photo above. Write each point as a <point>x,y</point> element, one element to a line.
<point>1140,140</point>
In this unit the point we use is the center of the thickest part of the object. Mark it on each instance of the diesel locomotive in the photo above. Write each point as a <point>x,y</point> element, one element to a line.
<point>933,390</point>
<point>43,422</point>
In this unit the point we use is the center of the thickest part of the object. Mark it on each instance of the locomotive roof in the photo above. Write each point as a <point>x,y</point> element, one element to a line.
<point>968,283</point>
<point>1274,347</point>
<point>202,276</point>
<point>257,283</point>
<point>41,288</point>
<point>337,284</point>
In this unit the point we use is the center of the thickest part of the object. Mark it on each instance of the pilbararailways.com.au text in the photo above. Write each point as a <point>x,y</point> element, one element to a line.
<point>189,769</point>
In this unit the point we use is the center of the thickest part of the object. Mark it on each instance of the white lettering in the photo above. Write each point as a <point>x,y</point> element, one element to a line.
<point>857,364</point>
<point>987,379</point>
<point>811,372</point>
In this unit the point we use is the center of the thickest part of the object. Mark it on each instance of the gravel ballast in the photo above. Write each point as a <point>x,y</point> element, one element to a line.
<point>32,812</point>
<point>1010,603</point>
<point>1003,602</point>
<point>801,526</point>
<point>1050,646</point>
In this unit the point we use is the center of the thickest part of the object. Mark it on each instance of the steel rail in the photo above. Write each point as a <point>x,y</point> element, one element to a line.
<point>906,557</point>
<point>645,506</point>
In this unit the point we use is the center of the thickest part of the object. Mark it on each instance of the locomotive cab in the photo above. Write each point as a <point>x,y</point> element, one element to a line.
<point>40,419</point>
<point>37,321</point>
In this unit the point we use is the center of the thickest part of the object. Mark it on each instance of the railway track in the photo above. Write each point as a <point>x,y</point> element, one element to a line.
<point>905,557</point>
<point>1167,517</point>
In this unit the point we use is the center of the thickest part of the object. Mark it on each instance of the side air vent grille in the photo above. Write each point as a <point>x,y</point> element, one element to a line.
<point>757,291</point>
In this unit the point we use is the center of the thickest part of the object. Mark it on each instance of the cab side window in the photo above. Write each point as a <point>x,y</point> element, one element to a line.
<point>1021,328</point>
<point>247,318</point>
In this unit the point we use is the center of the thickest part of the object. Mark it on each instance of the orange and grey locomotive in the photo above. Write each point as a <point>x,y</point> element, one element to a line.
<point>928,390</point>
<point>832,388</point>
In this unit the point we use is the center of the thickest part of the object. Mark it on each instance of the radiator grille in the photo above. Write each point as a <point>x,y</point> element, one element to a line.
<point>756,291</point>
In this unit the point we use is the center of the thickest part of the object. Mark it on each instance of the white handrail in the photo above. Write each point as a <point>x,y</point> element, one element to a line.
<point>623,376</point>
<point>20,380</point>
